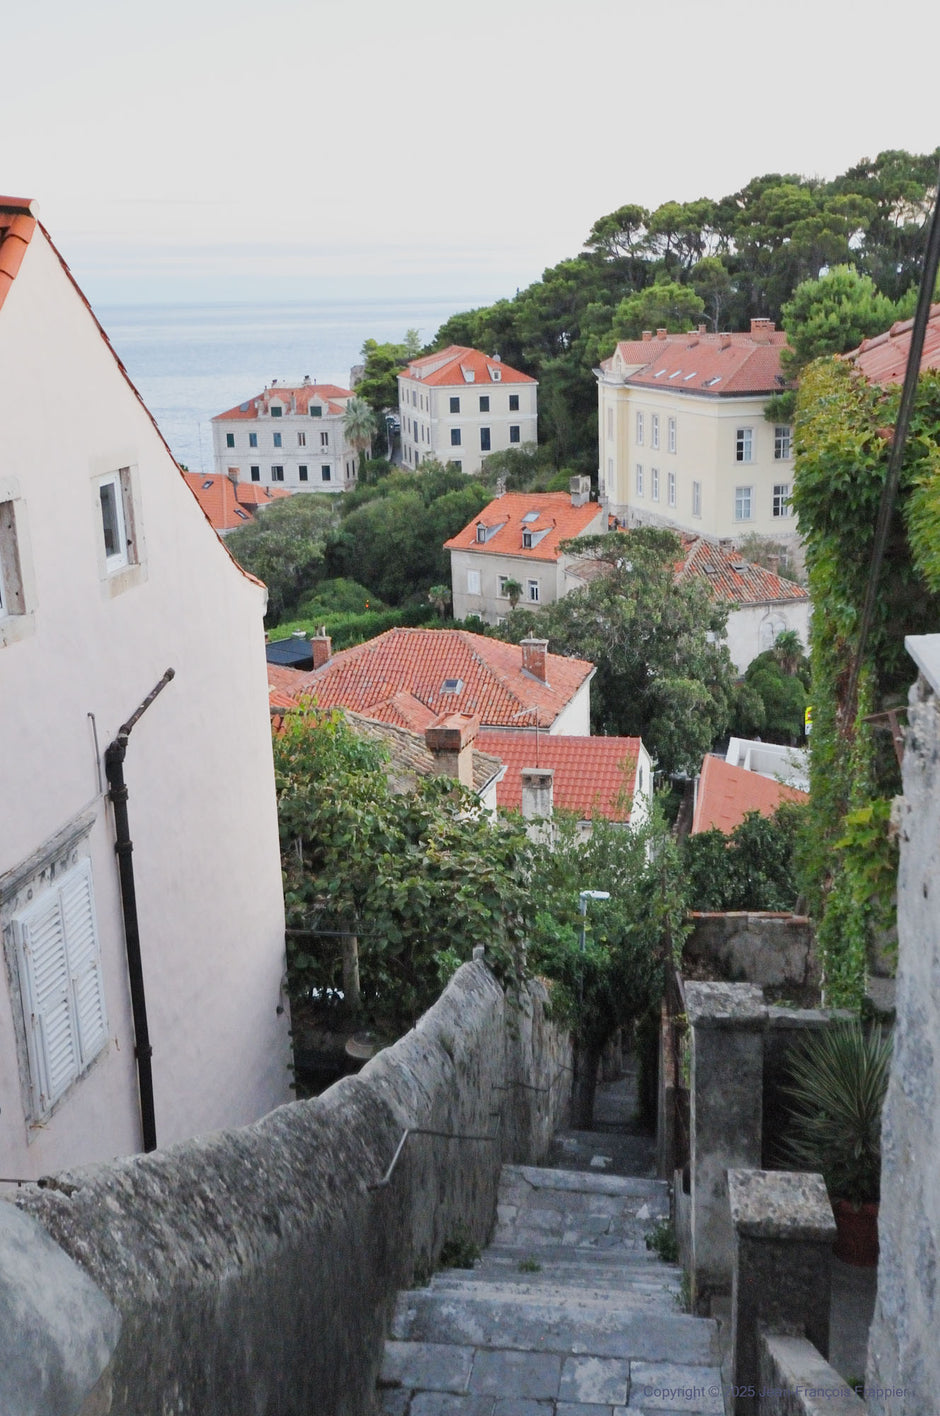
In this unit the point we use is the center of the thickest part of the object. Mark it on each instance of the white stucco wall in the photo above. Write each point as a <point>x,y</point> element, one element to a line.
<point>574,720</point>
<point>426,420</point>
<point>198,768</point>
<point>753,628</point>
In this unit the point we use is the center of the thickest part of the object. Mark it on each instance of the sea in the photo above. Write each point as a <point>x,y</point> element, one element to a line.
<point>190,362</point>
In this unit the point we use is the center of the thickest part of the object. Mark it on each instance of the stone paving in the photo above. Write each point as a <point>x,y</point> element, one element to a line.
<point>567,1313</point>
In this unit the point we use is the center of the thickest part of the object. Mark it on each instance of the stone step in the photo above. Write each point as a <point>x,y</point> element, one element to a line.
<point>569,1258</point>
<point>639,1287</point>
<point>543,1178</point>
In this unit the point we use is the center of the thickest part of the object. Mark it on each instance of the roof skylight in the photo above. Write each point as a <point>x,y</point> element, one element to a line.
<point>531,516</point>
<point>454,685</point>
<point>710,383</point>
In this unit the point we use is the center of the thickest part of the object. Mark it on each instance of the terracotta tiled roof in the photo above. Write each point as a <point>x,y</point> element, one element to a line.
<point>250,494</point>
<point>304,396</point>
<point>410,758</point>
<point>17,224</point>
<point>511,514</point>
<point>226,504</point>
<point>593,775</point>
<point>404,710</point>
<point>458,358</point>
<point>493,682</point>
<point>726,794</point>
<point>713,364</point>
<point>883,358</point>
<point>730,577</point>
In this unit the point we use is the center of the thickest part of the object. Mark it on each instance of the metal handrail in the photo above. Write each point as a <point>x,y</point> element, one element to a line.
<point>528,1086</point>
<point>428,1131</point>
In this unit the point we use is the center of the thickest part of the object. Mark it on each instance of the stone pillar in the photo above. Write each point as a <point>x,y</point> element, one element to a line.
<point>726,1021</point>
<point>450,739</point>
<point>537,799</point>
<point>783,1233</point>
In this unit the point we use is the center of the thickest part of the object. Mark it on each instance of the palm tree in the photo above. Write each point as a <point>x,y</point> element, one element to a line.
<point>513,590</point>
<point>359,426</point>
<point>788,650</point>
<point>439,597</point>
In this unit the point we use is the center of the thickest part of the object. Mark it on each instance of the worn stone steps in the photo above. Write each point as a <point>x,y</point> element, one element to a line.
<point>594,1330</point>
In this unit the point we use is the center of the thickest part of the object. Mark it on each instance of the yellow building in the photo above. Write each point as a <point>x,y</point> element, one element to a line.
<point>683,441</point>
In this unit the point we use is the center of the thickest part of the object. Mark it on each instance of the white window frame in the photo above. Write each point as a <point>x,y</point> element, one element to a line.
<point>640,428</point>
<point>744,503</point>
<point>62,986</point>
<point>671,488</point>
<point>610,425</point>
<point>301,439</point>
<point>697,499</point>
<point>744,444</point>
<point>12,601</point>
<point>474,583</point>
<point>639,479</point>
<point>532,591</point>
<point>781,502</point>
<point>654,430</point>
<point>124,555</point>
<point>671,434</point>
<point>654,483</point>
<point>501,584</point>
<point>783,442</point>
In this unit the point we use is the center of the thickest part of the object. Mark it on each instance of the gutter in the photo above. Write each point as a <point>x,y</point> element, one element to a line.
<point>124,848</point>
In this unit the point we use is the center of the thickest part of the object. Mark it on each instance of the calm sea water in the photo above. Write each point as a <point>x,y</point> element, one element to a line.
<point>190,362</point>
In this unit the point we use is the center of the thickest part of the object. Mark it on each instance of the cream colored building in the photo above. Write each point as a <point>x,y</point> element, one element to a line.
<point>111,574</point>
<point>458,405</point>
<point>683,441</point>
<point>288,438</point>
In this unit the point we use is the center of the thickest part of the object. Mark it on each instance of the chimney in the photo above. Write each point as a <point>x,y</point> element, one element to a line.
<point>537,802</point>
<point>322,646</point>
<point>533,658</point>
<point>647,334</point>
<point>662,333</point>
<point>724,340</point>
<point>233,476</point>
<point>580,489</point>
<point>702,329</point>
<point>450,739</point>
<point>762,326</point>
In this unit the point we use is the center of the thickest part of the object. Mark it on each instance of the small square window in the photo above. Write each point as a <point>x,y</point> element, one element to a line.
<point>315,410</point>
<point>277,440</point>
<point>277,473</point>
<point>484,439</point>
<point>326,473</point>
<point>743,500</point>
<point>229,439</point>
<point>455,437</point>
<point>513,432</point>
<point>276,410</point>
<point>484,403</point>
<point>114,503</point>
<point>256,474</point>
<point>514,403</point>
<point>302,472</point>
<point>252,439</point>
<point>744,445</point>
<point>455,405</point>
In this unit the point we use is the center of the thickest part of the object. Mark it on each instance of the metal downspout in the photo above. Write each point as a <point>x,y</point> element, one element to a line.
<point>124,848</point>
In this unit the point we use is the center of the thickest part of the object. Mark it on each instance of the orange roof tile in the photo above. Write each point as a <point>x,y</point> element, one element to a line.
<point>593,775</point>
<point>730,577</point>
<point>726,794</point>
<point>304,395</point>
<point>370,677</point>
<point>249,494</point>
<point>883,358</point>
<point>228,504</point>
<point>17,224</point>
<point>458,357</point>
<point>712,364</point>
<point>510,514</point>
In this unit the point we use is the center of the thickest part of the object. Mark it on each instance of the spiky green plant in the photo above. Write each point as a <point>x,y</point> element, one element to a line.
<point>838,1082</point>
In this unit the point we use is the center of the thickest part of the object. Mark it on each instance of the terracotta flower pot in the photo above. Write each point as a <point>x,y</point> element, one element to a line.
<point>857,1233</point>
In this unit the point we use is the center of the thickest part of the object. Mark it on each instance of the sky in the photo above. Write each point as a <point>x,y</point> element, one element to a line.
<point>197,150</point>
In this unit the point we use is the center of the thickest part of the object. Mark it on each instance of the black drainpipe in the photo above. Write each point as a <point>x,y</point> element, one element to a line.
<point>124,848</point>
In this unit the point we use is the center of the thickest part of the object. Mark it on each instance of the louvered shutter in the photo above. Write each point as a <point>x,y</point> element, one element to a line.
<point>84,962</point>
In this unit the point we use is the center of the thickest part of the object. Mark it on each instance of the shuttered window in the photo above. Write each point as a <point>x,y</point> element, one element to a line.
<point>62,986</point>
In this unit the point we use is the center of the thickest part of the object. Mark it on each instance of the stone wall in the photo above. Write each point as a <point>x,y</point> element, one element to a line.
<point>254,1271</point>
<point>904,1351</point>
<point>775,951</point>
<point>796,1380</point>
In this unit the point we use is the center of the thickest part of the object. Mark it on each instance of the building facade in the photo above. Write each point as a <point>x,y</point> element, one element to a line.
<point>111,575</point>
<point>459,405</point>
<point>683,441</point>
<point>288,437</point>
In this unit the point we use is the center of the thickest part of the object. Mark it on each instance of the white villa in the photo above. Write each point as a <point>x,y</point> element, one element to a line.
<point>458,405</point>
<point>288,437</point>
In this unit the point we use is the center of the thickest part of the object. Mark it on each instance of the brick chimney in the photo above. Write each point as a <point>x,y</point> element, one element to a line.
<point>450,739</point>
<point>647,334</point>
<point>322,646</point>
<point>724,340</point>
<point>538,787</point>
<point>662,334</point>
<point>580,489</point>
<point>762,326</point>
<point>702,329</point>
<point>534,653</point>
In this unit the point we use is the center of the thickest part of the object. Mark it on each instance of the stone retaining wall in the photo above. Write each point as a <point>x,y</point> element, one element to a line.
<point>795,1380</point>
<point>254,1271</point>
<point>775,951</point>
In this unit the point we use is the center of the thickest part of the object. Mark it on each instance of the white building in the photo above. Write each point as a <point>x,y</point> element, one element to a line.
<point>458,405</point>
<point>111,574</point>
<point>288,437</point>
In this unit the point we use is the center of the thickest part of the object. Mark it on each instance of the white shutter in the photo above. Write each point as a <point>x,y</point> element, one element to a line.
<point>84,959</point>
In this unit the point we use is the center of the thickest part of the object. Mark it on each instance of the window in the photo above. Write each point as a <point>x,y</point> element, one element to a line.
<point>276,410</point>
<point>743,497</point>
<point>302,472</point>
<point>501,587</point>
<point>484,403</point>
<point>514,403</point>
<point>654,430</point>
<point>113,497</point>
<point>484,439</point>
<point>639,479</point>
<point>301,439</point>
<point>782,443</point>
<point>277,440</point>
<point>532,591</point>
<point>513,432</point>
<point>229,439</point>
<point>59,966</point>
<point>252,439</point>
<point>277,473</point>
<point>256,474</point>
<point>481,533</point>
<point>781,504</point>
<point>473,582</point>
<point>455,437</point>
<point>671,434</point>
<point>315,410</point>
<point>325,473</point>
<point>639,428</point>
<point>654,483</point>
<point>696,498</point>
<point>456,464</point>
<point>455,405</point>
<point>11,586</point>
<point>325,439</point>
<point>744,445</point>
<point>671,488</point>
<point>496,374</point>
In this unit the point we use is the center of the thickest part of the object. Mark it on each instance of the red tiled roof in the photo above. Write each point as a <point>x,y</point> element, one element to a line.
<point>713,364</point>
<point>229,505</point>
<point>726,794</point>
<point>304,396</point>
<point>730,577</point>
<point>457,358</point>
<point>557,518</point>
<point>250,494</point>
<point>883,358</point>
<point>593,775</point>
<point>370,677</point>
<point>17,224</point>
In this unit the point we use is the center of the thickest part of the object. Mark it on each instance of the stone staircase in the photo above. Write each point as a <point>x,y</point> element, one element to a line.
<point>567,1313</point>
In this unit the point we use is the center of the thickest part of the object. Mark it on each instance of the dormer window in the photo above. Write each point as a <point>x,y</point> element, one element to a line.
<point>276,410</point>
<point>531,516</point>
<point>527,540</point>
<point>315,410</point>
<point>452,685</point>
<point>481,533</point>
<point>468,375</point>
<point>495,374</point>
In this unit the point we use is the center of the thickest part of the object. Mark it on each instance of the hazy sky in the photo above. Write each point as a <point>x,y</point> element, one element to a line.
<point>216,149</point>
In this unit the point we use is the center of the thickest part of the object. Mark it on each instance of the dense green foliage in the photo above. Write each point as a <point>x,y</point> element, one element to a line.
<point>834,314</point>
<point>661,674</point>
<point>751,869</point>
<point>771,701</point>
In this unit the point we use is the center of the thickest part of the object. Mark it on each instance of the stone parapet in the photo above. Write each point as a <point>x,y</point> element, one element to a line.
<point>796,1380</point>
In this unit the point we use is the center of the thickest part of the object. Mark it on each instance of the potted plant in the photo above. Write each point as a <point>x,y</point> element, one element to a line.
<point>838,1080</point>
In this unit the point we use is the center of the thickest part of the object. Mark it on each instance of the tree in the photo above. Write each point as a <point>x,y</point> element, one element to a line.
<point>753,868</point>
<point>712,284</point>
<point>359,426</point>
<point>439,596</point>
<point>512,589</point>
<point>832,315</point>
<point>662,673</point>
<point>286,546</point>
<point>382,363</point>
<point>665,305</point>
